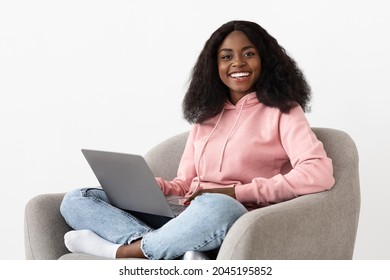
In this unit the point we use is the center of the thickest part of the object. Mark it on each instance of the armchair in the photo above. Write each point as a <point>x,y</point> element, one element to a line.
<point>314,226</point>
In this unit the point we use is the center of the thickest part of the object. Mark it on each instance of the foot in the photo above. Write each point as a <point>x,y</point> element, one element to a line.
<point>88,242</point>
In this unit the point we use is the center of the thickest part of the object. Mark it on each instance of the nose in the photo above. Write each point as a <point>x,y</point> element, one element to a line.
<point>238,61</point>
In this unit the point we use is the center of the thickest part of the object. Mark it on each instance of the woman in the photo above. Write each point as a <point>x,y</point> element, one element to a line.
<point>250,146</point>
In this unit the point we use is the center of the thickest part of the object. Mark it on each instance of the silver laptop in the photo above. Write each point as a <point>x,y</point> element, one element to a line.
<point>130,184</point>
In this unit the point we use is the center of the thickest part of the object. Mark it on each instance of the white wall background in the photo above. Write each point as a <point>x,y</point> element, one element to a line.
<point>111,75</point>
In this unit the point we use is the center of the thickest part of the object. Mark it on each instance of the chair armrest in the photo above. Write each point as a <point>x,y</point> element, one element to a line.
<point>44,228</point>
<point>302,228</point>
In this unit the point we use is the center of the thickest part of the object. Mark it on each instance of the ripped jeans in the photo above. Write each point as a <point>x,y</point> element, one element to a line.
<point>201,227</point>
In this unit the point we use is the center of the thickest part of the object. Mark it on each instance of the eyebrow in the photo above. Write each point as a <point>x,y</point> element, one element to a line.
<point>243,49</point>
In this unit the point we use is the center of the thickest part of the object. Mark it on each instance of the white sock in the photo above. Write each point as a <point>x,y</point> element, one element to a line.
<point>86,241</point>
<point>195,255</point>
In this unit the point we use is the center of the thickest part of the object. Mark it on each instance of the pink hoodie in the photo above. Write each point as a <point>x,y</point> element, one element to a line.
<point>269,156</point>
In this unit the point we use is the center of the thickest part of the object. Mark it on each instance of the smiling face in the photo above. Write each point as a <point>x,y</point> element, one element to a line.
<point>239,65</point>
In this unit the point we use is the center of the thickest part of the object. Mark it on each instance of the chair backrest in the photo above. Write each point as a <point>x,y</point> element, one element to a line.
<point>164,158</point>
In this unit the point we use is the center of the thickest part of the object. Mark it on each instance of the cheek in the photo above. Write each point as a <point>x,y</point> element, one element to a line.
<point>222,73</point>
<point>258,69</point>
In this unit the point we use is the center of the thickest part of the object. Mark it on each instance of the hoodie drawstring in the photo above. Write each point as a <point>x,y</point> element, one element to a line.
<point>228,136</point>
<point>225,143</point>
<point>207,140</point>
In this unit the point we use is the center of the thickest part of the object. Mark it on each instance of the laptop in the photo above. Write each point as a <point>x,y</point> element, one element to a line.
<point>130,184</point>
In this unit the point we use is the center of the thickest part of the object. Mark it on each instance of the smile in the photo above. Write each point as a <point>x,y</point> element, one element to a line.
<point>239,74</point>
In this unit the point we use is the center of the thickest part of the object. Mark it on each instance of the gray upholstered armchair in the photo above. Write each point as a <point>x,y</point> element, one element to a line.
<point>315,226</point>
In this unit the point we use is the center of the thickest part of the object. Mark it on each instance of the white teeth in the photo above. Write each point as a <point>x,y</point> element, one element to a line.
<point>239,75</point>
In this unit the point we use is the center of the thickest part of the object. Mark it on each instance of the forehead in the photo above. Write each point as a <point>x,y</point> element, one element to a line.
<point>235,39</point>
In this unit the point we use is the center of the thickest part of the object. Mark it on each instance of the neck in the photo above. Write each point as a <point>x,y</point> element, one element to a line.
<point>236,96</point>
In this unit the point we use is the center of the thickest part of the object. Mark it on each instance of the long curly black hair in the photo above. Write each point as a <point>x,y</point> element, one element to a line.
<point>281,83</point>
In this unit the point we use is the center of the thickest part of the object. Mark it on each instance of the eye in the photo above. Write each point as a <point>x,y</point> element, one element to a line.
<point>249,54</point>
<point>226,56</point>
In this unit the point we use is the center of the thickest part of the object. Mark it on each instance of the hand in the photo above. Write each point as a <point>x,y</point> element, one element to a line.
<point>228,191</point>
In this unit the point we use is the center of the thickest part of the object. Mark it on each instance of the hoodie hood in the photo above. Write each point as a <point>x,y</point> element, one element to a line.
<point>248,100</point>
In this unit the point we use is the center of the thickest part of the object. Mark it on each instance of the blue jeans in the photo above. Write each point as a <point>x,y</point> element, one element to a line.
<point>201,227</point>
